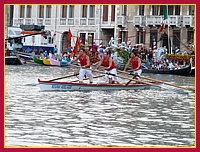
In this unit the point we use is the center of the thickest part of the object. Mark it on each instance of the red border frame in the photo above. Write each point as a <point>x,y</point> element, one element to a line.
<point>2,74</point>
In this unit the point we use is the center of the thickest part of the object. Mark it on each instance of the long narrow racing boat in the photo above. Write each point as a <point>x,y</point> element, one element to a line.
<point>74,86</point>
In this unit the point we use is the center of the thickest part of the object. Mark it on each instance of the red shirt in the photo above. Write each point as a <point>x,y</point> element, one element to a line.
<point>105,63</point>
<point>83,61</point>
<point>135,63</point>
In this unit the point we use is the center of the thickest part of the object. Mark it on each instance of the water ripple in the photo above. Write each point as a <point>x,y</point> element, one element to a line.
<point>95,118</point>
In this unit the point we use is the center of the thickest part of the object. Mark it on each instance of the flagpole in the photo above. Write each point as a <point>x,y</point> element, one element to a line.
<point>170,51</point>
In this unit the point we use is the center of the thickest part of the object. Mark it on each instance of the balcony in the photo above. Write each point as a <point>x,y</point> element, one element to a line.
<point>174,20</point>
<point>139,21</point>
<point>47,21</point>
<point>122,21</point>
<point>83,21</point>
<point>40,21</point>
<point>70,21</point>
<point>63,21</point>
<point>153,20</point>
<point>188,21</point>
<point>91,21</point>
<point>28,21</point>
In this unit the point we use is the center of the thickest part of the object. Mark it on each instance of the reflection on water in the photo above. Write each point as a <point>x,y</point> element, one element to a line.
<point>95,118</point>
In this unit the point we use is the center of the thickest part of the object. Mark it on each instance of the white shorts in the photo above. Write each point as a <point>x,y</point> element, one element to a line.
<point>88,73</point>
<point>138,72</point>
<point>113,76</point>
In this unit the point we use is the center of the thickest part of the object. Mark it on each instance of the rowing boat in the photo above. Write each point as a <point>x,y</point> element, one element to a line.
<point>74,86</point>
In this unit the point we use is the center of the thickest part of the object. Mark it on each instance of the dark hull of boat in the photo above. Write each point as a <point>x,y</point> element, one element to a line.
<point>184,71</point>
<point>12,60</point>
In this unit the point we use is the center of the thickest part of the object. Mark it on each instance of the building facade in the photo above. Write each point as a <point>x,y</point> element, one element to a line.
<point>138,24</point>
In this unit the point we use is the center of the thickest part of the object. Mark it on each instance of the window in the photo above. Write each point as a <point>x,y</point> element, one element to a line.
<point>29,8</point>
<point>177,9</point>
<point>84,11</point>
<point>155,9</point>
<point>141,10</point>
<point>191,10</point>
<point>64,11</point>
<point>82,37</point>
<point>22,11</point>
<point>176,34</point>
<point>162,7</point>
<point>105,13</point>
<point>174,10</point>
<point>48,11</point>
<point>71,11</point>
<point>92,11</point>
<point>170,10</point>
<point>124,10</point>
<point>41,11</point>
<point>92,37</point>
<point>190,36</point>
<point>113,13</point>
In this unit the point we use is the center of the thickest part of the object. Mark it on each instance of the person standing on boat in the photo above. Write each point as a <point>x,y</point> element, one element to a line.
<point>109,67</point>
<point>136,65</point>
<point>85,63</point>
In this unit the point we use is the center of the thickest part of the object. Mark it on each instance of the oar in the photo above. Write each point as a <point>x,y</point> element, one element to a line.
<point>131,80</point>
<point>88,78</point>
<point>190,89</point>
<point>63,77</point>
<point>120,76</point>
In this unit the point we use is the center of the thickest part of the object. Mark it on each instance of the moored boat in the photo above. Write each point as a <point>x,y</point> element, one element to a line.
<point>37,60</point>
<point>73,86</point>
<point>46,61</point>
<point>54,62</point>
<point>12,60</point>
<point>185,71</point>
<point>58,63</point>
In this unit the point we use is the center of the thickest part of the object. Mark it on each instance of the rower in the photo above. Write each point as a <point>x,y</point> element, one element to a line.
<point>109,68</point>
<point>85,63</point>
<point>136,65</point>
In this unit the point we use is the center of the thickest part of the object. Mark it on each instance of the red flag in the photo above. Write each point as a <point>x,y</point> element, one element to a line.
<point>78,43</point>
<point>69,35</point>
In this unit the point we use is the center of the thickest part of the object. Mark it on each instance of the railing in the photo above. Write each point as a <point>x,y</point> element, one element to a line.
<point>28,21</point>
<point>63,21</point>
<point>122,20</point>
<point>47,21</point>
<point>91,21</point>
<point>139,20</point>
<point>188,20</point>
<point>40,21</point>
<point>70,21</point>
<point>153,20</point>
<point>83,21</point>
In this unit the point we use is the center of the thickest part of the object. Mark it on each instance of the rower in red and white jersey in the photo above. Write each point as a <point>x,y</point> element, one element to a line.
<point>110,68</point>
<point>136,65</point>
<point>85,63</point>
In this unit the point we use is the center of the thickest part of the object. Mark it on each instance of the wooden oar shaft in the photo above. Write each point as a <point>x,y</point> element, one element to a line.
<point>190,89</point>
<point>63,77</point>
<point>162,82</point>
<point>88,78</point>
<point>120,77</point>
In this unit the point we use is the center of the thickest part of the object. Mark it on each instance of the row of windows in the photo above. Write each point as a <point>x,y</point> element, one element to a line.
<point>67,11</point>
<point>159,10</point>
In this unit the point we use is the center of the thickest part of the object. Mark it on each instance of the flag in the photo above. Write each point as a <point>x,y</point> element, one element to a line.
<point>78,43</point>
<point>165,19</point>
<point>69,35</point>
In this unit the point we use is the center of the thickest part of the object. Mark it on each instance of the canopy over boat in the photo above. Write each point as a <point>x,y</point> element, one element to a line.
<point>72,86</point>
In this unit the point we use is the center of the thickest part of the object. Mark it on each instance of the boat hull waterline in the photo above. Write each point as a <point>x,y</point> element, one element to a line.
<point>70,86</point>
